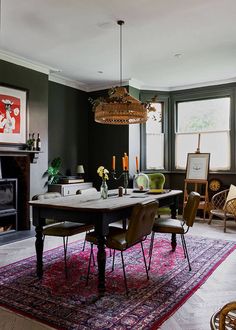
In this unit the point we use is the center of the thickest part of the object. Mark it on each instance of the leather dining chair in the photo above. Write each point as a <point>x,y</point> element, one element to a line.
<point>175,226</point>
<point>61,229</point>
<point>139,227</point>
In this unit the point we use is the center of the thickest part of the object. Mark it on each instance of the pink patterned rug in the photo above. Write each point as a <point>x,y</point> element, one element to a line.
<point>70,304</point>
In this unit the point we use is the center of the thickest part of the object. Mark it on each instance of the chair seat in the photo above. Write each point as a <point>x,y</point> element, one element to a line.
<point>67,228</point>
<point>221,214</point>
<point>168,226</point>
<point>115,240</point>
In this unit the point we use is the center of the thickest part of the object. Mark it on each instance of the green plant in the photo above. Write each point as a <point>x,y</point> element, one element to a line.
<point>53,171</point>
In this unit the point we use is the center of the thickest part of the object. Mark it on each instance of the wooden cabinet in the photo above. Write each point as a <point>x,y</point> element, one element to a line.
<point>70,188</point>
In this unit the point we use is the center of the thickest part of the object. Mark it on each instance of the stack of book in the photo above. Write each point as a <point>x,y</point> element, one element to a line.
<point>71,179</point>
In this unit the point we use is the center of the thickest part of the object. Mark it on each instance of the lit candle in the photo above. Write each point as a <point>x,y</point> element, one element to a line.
<point>123,163</point>
<point>136,163</point>
<point>127,163</point>
<point>113,163</point>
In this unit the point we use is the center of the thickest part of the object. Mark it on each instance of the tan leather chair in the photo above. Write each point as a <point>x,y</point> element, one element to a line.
<point>139,227</point>
<point>174,226</point>
<point>225,318</point>
<point>61,229</point>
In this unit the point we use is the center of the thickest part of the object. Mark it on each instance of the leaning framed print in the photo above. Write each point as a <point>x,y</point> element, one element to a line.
<point>13,115</point>
<point>197,166</point>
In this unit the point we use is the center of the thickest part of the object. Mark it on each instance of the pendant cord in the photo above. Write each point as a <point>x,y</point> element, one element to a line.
<point>121,55</point>
<point>121,64</point>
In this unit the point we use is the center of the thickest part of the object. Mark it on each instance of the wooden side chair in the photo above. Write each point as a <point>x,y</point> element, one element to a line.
<point>139,227</point>
<point>174,226</point>
<point>225,318</point>
<point>223,206</point>
<point>61,229</point>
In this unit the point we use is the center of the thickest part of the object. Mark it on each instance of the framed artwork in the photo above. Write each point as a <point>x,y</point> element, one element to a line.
<point>13,116</point>
<point>197,166</point>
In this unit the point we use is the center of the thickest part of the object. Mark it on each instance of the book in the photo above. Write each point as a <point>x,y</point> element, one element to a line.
<point>71,179</point>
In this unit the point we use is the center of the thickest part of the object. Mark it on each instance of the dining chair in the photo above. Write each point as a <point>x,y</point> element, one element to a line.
<point>225,317</point>
<point>223,206</point>
<point>157,181</point>
<point>62,229</point>
<point>175,226</point>
<point>139,227</point>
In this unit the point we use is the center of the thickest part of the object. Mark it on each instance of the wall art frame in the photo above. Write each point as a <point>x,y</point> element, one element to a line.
<point>197,166</point>
<point>13,115</point>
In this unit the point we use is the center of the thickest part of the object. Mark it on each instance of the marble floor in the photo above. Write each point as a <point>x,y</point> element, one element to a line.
<point>195,314</point>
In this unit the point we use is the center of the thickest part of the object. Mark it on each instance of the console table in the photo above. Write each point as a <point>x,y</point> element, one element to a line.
<point>69,189</point>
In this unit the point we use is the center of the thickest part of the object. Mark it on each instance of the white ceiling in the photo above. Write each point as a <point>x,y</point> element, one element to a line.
<point>81,37</point>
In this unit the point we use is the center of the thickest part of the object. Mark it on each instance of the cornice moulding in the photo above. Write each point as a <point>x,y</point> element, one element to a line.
<point>67,82</point>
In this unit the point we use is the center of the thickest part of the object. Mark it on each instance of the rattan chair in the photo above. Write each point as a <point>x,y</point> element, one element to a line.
<point>222,209</point>
<point>139,227</point>
<point>174,226</point>
<point>225,318</point>
<point>61,229</point>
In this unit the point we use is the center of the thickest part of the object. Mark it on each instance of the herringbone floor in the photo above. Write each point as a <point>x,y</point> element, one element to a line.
<point>195,314</point>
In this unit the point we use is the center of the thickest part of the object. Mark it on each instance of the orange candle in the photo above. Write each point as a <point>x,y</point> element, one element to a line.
<point>126,163</point>
<point>136,163</point>
<point>113,163</point>
<point>123,163</point>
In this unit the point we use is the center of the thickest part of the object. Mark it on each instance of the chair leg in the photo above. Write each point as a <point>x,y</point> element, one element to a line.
<point>225,225</point>
<point>125,280</point>
<point>65,243</point>
<point>89,265</point>
<point>113,260</point>
<point>84,245</point>
<point>150,250</point>
<point>144,259</point>
<point>210,218</point>
<point>185,246</point>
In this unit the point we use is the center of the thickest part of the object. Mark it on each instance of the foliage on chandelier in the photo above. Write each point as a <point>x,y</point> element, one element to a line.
<point>120,108</point>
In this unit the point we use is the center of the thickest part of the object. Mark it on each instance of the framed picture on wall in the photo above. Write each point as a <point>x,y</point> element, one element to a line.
<point>13,115</point>
<point>197,166</point>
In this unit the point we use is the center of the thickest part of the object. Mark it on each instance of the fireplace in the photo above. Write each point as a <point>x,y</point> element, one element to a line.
<point>16,164</point>
<point>8,205</point>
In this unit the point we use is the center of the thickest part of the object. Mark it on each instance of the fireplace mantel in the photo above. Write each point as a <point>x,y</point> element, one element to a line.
<point>32,154</point>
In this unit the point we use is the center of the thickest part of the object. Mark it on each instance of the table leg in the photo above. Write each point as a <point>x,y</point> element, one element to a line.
<point>101,260</point>
<point>39,250</point>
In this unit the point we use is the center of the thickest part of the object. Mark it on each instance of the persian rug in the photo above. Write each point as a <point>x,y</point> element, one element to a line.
<point>70,304</point>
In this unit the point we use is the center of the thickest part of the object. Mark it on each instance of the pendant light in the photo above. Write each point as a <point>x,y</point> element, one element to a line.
<point>120,108</point>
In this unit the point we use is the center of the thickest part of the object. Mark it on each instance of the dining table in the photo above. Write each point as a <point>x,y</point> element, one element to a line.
<point>92,209</point>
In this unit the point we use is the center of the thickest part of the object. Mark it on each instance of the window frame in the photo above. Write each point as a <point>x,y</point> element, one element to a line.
<point>206,93</point>
<point>165,100</point>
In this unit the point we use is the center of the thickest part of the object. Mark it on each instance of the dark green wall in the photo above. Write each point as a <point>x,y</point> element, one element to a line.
<point>105,141</point>
<point>37,85</point>
<point>68,129</point>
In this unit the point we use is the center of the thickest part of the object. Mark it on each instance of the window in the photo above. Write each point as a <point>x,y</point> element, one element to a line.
<point>155,138</point>
<point>203,123</point>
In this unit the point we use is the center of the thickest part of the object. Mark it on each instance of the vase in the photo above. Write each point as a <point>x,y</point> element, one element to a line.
<point>104,190</point>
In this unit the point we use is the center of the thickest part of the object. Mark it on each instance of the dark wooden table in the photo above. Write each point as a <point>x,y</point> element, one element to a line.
<point>96,211</point>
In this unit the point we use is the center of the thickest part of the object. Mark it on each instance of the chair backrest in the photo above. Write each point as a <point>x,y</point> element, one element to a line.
<point>191,207</point>
<point>141,222</point>
<point>46,195</point>
<point>156,180</point>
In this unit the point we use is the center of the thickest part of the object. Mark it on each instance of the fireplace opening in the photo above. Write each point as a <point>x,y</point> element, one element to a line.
<point>8,205</point>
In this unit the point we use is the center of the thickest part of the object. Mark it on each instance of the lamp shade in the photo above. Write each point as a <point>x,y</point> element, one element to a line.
<point>80,169</point>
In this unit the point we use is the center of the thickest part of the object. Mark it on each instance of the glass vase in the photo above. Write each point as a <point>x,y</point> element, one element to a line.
<point>104,190</point>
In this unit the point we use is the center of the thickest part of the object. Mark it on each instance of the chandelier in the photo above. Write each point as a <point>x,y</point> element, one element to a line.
<point>120,108</point>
